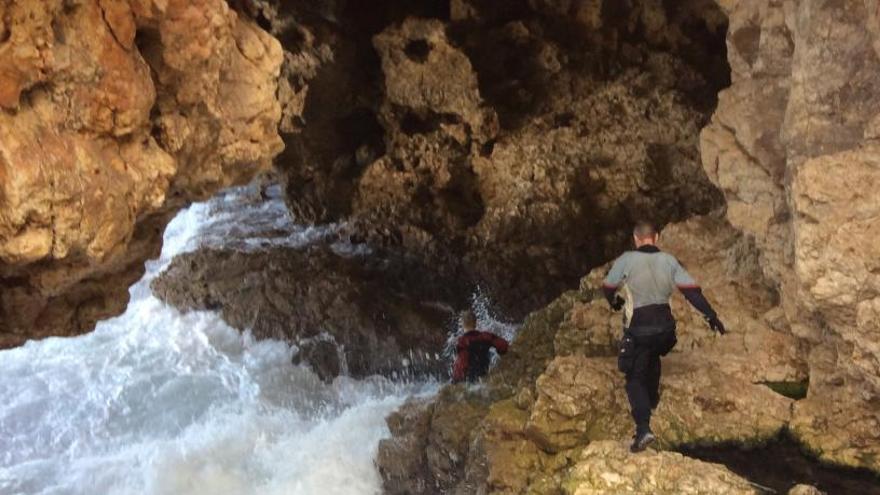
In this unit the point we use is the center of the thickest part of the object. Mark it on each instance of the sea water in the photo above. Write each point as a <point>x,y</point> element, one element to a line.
<point>156,401</point>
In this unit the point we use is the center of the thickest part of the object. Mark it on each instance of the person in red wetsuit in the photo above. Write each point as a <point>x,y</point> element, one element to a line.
<point>472,350</point>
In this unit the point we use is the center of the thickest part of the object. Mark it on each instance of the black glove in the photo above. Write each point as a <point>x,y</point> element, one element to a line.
<point>617,303</point>
<point>716,325</point>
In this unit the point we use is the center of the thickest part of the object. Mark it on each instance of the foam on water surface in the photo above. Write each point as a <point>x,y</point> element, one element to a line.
<point>159,402</point>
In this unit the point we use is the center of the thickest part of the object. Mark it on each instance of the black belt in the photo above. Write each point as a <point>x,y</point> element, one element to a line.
<point>648,330</point>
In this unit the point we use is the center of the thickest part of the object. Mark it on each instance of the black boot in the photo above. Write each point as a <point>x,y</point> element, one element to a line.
<point>641,441</point>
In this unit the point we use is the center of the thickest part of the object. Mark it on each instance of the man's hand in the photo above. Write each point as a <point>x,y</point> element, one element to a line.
<point>618,303</point>
<point>716,325</point>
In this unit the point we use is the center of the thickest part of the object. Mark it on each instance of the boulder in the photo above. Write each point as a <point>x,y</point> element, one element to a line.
<point>608,467</point>
<point>348,313</point>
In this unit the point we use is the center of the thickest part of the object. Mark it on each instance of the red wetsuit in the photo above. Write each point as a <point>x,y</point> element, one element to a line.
<point>472,354</point>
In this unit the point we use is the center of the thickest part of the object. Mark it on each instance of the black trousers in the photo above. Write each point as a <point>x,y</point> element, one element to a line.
<point>643,375</point>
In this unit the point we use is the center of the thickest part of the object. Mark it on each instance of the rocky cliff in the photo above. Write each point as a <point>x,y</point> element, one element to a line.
<point>791,146</point>
<point>501,143</point>
<point>506,143</point>
<point>113,115</point>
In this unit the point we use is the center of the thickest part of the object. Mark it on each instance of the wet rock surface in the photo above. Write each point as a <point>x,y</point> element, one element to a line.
<point>348,313</point>
<point>114,114</point>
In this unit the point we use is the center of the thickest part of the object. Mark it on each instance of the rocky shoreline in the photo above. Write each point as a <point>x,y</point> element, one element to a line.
<point>558,394</point>
<point>507,145</point>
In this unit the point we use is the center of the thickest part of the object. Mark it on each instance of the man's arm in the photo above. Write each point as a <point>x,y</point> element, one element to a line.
<point>612,283</point>
<point>499,344</point>
<point>694,295</point>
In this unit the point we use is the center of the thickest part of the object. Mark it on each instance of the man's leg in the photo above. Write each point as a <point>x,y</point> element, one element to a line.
<point>637,390</point>
<point>653,380</point>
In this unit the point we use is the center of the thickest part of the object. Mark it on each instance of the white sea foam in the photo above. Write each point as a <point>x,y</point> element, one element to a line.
<point>159,402</point>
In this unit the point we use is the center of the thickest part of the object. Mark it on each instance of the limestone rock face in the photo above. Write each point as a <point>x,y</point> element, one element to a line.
<point>500,143</point>
<point>113,114</point>
<point>608,467</point>
<point>793,147</point>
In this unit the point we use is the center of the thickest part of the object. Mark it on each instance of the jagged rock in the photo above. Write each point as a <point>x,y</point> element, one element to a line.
<point>402,459</point>
<point>793,147</point>
<point>608,467</point>
<point>112,115</point>
<point>360,314</point>
<point>484,141</point>
<point>805,490</point>
<point>428,450</point>
<point>582,399</point>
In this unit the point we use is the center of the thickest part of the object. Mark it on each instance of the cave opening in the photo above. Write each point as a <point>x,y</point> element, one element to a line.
<point>539,67</point>
<point>418,50</point>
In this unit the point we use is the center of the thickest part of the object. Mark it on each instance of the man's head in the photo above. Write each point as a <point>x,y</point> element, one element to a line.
<point>645,233</point>
<point>468,320</point>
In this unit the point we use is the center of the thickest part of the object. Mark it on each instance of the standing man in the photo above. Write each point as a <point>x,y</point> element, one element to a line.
<point>649,276</point>
<point>472,350</point>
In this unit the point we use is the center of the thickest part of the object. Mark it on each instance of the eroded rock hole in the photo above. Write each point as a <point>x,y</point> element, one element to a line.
<point>364,137</point>
<point>149,45</point>
<point>487,148</point>
<point>414,122</point>
<point>792,390</point>
<point>563,119</point>
<point>418,50</point>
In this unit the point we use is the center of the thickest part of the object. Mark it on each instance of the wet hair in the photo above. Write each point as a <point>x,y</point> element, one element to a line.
<point>468,319</point>
<point>645,230</point>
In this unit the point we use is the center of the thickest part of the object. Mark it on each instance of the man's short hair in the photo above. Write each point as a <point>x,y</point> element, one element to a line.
<point>468,319</point>
<point>645,230</point>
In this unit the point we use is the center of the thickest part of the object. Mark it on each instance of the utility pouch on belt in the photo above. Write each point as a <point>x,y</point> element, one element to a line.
<point>627,354</point>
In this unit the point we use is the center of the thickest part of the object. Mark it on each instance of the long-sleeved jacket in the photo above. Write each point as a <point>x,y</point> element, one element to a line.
<point>650,276</point>
<point>472,354</point>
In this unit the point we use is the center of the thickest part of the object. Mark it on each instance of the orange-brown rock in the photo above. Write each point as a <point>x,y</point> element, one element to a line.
<point>113,114</point>
<point>793,147</point>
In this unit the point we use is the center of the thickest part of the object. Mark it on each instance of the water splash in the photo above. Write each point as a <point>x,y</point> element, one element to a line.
<point>487,320</point>
<point>159,402</point>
